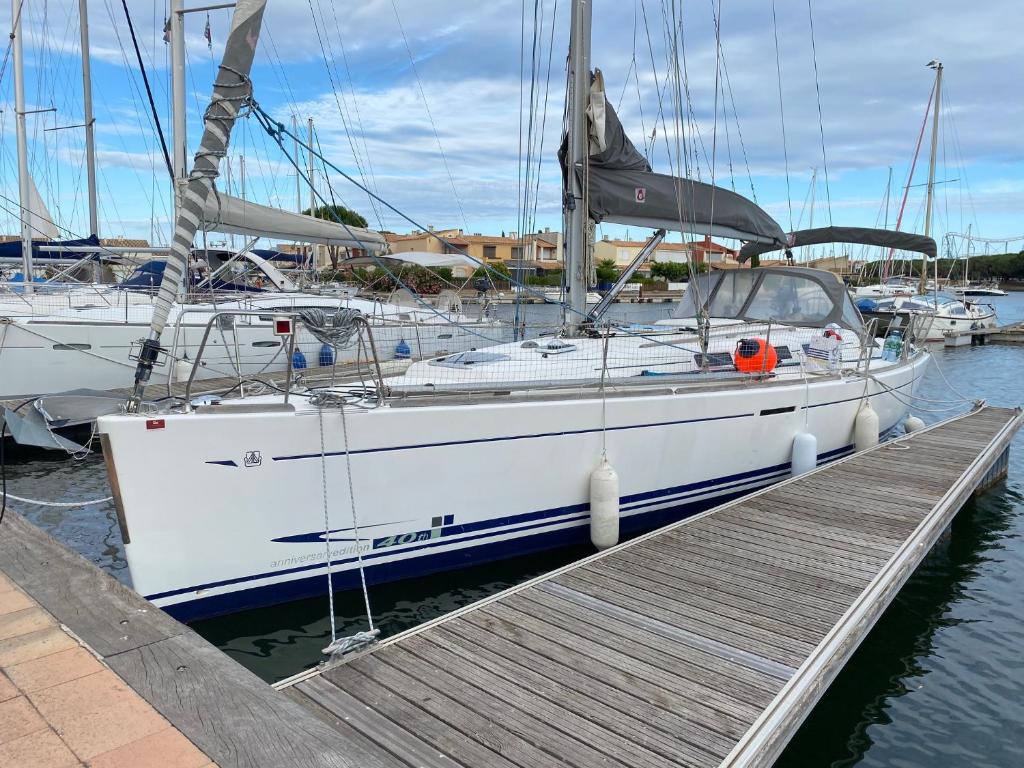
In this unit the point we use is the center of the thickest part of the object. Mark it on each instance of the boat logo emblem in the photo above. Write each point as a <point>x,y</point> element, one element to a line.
<point>640,194</point>
<point>252,459</point>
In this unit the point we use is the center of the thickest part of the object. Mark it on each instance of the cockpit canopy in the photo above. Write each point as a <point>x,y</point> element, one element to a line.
<point>787,295</point>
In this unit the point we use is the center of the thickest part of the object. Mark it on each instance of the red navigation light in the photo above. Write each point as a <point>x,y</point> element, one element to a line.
<point>282,326</point>
<point>155,424</point>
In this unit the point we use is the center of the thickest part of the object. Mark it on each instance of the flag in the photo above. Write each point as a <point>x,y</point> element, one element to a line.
<point>167,30</point>
<point>206,33</point>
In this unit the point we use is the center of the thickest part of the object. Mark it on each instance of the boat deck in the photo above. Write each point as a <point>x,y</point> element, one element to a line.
<point>702,644</point>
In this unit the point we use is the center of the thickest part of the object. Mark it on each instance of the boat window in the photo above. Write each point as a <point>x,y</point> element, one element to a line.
<point>851,315</point>
<point>787,295</point>
<point>733,292</point>
<point>785,298</point>
<point>472,358</point>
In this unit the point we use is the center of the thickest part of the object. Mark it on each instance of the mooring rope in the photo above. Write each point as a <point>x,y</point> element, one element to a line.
<point>63,504</point>
<point>341,646</point>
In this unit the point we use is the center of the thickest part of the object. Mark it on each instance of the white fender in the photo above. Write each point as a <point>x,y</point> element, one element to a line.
<point>805,454</point>
<point>912,424</point>
<point>865,427</point>
<point>604,505</point>
<point>182,370</point>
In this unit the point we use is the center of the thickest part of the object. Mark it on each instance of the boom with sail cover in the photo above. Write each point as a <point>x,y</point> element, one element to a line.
<point>234,216</point>
<point>887,238</point>
<point>621,188</point>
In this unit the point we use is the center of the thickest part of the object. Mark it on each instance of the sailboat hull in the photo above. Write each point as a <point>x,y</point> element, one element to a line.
<point>233,515</point>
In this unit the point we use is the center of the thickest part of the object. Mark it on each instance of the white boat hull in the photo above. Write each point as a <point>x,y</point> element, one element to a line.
<point>232,516</point>
<point>41,356</point>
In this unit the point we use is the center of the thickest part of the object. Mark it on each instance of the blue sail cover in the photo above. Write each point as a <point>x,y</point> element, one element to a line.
<point>11,250</point>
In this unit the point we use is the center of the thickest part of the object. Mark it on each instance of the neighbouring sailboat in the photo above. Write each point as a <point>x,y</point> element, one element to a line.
<point>286,492</point>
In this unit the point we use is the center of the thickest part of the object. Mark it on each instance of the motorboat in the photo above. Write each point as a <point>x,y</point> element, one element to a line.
<point>937,313</point>
<point>978,289</point>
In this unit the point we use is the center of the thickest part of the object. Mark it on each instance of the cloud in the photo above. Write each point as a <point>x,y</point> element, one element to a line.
<point>370,116</point>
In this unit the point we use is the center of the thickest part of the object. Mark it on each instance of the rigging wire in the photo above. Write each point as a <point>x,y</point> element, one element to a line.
<point>782,115</point>
<point>149,91</point>
<point>739,130</point>
<point>821,126</point>
<point>430,117</point>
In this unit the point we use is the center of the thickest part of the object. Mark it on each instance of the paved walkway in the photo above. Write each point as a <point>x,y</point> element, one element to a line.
<point>61,706</point>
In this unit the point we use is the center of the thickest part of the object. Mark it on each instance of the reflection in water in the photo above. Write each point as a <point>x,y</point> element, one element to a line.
<point>904,648</point>
<point>279,641</point>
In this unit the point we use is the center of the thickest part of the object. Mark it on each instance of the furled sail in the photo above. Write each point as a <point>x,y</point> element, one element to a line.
<point>232,215</point>
<point>886,238</point>
<point>622,189</point>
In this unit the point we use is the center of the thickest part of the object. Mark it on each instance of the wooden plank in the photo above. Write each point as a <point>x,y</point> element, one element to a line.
<point>578,716</point>
<point>667,713</point>
<point>706,574</point>
<point>427,681</point>
<point>763,613</point>
<point>767,515</point>
<point>614,643</point>
<point>109,616</point>
<point>880,528</point>
<point>708,588</point>
<point>843,512</point>
<point>216,703</point>
<point>772,569</point>
<point>391,735</point>
<point>676,669</point>
<point>847,568</point>
<point>436,717</point>
<point>771,530</point>
<point>715,627</point>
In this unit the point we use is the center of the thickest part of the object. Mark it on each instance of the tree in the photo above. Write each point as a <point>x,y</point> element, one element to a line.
<point>671,271</point>
<point>336,213</point>
<point>607,271</point>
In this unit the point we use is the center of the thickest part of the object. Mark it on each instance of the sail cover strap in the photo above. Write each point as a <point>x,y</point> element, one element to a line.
<point>886,238</point>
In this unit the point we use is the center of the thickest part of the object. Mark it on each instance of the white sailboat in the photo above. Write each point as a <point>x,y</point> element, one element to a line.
<point>482,455</point>
<point>56,337</point>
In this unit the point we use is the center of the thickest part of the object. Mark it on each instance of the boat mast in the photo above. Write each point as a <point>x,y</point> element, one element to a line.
<point>179,135</point>
<point>231,87</point>
<point>575,214</point>
<point>90,121</point>
<point>937,66</point>
<point>24,197</point>
<point>967,260</point>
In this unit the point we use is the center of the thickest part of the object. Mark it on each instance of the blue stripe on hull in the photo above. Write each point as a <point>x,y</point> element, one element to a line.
<point>423,565</point>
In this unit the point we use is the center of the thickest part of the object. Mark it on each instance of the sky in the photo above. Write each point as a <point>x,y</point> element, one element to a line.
<point>428,104</point>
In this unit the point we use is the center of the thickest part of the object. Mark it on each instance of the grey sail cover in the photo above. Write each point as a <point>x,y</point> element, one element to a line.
<point>623,189</point>
<point>224,213</point>
<point>638,198</point>
<point>886,238</point>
